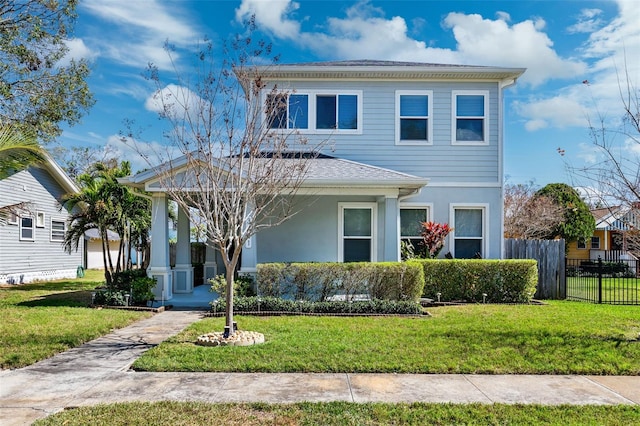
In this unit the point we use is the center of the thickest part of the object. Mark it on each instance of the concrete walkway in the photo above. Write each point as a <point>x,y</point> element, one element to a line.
<point>98,372</point>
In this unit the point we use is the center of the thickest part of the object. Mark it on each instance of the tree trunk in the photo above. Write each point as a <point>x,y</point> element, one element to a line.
<point>229,329</point>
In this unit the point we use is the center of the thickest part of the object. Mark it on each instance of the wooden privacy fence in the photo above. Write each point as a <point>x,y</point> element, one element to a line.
<point>550,255</point>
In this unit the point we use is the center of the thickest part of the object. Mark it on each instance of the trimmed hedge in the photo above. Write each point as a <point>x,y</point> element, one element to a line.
<point>317,282</point>
<point>503,281</point>
<point>274,304</point>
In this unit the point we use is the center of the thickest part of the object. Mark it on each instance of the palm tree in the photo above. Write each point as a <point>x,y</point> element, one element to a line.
<point>106,205</point>
<point>18,150</point>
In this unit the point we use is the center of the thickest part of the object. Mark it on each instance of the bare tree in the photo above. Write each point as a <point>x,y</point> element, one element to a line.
<point>613,180</point>
<point>226,164</point>
<point>529,216</point>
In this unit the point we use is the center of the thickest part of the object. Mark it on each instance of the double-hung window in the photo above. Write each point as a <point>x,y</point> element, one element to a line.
<point>595,243</point>
<point>357,239</point>
<point>413,120</point>
<point>470,117</point>
<point>411,219</point>
<point>27,231</point>
<point>315,111</point>
<point>58,228</point>
<point>469,231</point>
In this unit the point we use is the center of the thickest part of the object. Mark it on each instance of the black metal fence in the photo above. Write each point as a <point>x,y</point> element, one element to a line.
<point>599,281</point>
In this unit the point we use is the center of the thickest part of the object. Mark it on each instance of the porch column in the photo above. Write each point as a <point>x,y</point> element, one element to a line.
<point>249,255</point>
<point>391,251</point>
<point>183,271</point>
<point>210,268</point>
<point>159,265</point>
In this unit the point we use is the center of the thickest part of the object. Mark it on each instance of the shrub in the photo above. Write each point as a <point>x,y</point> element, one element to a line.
<point>322,281</point>
<point>274,304</point>
<point>242,286</point>
<point>503,281</point>
<point>109,298</point>
<point>134,282</point>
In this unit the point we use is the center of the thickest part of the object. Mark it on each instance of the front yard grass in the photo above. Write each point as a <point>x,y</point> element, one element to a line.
<point>343,413</point>
<point>39,320</point>
<point>557,338</point>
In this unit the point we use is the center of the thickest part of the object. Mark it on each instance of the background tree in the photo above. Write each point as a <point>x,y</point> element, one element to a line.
<point>242,175</point>
<point>77,160</point>
<point>578,222</point>
<point>39,87</point>
<point>530,216</point>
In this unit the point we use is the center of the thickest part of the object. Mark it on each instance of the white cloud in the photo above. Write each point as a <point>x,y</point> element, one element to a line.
<point>141,155</point>
<point>139,30</point>
<point>175,101</point>
<point>77,50</point>
<point>272,15</point>
<point>588,21</point>
<point>565,109</point>
<point>588,153</point>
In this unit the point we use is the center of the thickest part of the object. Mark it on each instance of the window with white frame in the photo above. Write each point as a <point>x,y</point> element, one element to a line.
<point>58,228</point>
<point>413,123</point>
<point>357,239</point>
<point>13,219</point>
<point>27,231</point>
<point>470,117</point>
<point>288,111</point>
<point>582,243</point>
<point>411,219</point>
<point>315,111</point>
<point>469,232</point>
<point>39,219</point>
<point>595,243</point>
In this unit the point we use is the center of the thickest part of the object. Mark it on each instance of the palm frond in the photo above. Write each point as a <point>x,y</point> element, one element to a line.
<point>18,150</point>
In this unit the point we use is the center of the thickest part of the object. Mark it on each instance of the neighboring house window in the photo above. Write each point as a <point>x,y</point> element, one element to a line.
<point>411,219</point>
<point>27,232</point>
<point>582,244</point>
<point>288,111</point>
<point>58,228</point>
<point>13,219</point>
<point>413,124</point>
<point>40,219</point>
<point>595,243</point>
<point>320,112</point>
<point>470,117</point>
<point>357,232</point>
<point>469,232</point>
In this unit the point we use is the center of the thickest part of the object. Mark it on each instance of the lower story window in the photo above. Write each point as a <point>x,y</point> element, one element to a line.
<point>469,232</point>
<point>357,232</point>
<point>411,219</point>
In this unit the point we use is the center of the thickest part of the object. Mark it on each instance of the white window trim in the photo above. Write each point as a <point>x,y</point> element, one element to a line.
<point>429,94</point>
<point>454,117</point>
<point>426,206</point>
<point>485,225</point>
<point>584,245</point>
<point>51,231</point>
<point>374,227</point>
<point>33,228</point>
<point>40,219</point>
<point>591,243</point>
<point>13,219</point>
<point>311,113</point>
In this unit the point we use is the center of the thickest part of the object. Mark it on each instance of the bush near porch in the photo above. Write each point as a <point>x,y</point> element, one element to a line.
<point>502,281</point>
<point>493,281</point>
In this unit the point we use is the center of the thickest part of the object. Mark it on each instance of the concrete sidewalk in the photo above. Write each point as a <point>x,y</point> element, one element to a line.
<point>98,372</point>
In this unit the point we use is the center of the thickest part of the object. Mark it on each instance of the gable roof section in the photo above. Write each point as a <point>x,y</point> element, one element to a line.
<point>388,70</point>
<point>60,176</point>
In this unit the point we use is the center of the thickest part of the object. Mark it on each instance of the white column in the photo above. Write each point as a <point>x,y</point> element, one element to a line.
<point>249,254</point>
<point>391,230</point>
<point>159,265</point>
<point>183,271</point>
<point>210,268</point>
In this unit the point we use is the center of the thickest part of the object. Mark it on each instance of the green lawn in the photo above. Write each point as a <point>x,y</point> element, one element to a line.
<point>614,290</point>
<point>342,413</point>
<point>558,338</point>
<point>42,319</point>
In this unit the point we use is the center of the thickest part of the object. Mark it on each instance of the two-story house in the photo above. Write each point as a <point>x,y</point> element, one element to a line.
<point>31,237</point>
<point>405,143</point>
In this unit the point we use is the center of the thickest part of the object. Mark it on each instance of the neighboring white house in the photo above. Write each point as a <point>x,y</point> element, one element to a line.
<point>407,142</point>
<point>93,258</point>
<point>31,241</point>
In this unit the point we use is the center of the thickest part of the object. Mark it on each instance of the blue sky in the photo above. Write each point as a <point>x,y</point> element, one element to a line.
<point>561,43</point>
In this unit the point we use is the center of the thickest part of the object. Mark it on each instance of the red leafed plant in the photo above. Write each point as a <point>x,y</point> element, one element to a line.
<point>433,236</point>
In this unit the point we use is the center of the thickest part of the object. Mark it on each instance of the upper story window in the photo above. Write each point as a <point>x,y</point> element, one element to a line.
<point>413,123</point>
<point>27,232</point>
<point>470,117</point>
<point>316,111</point>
